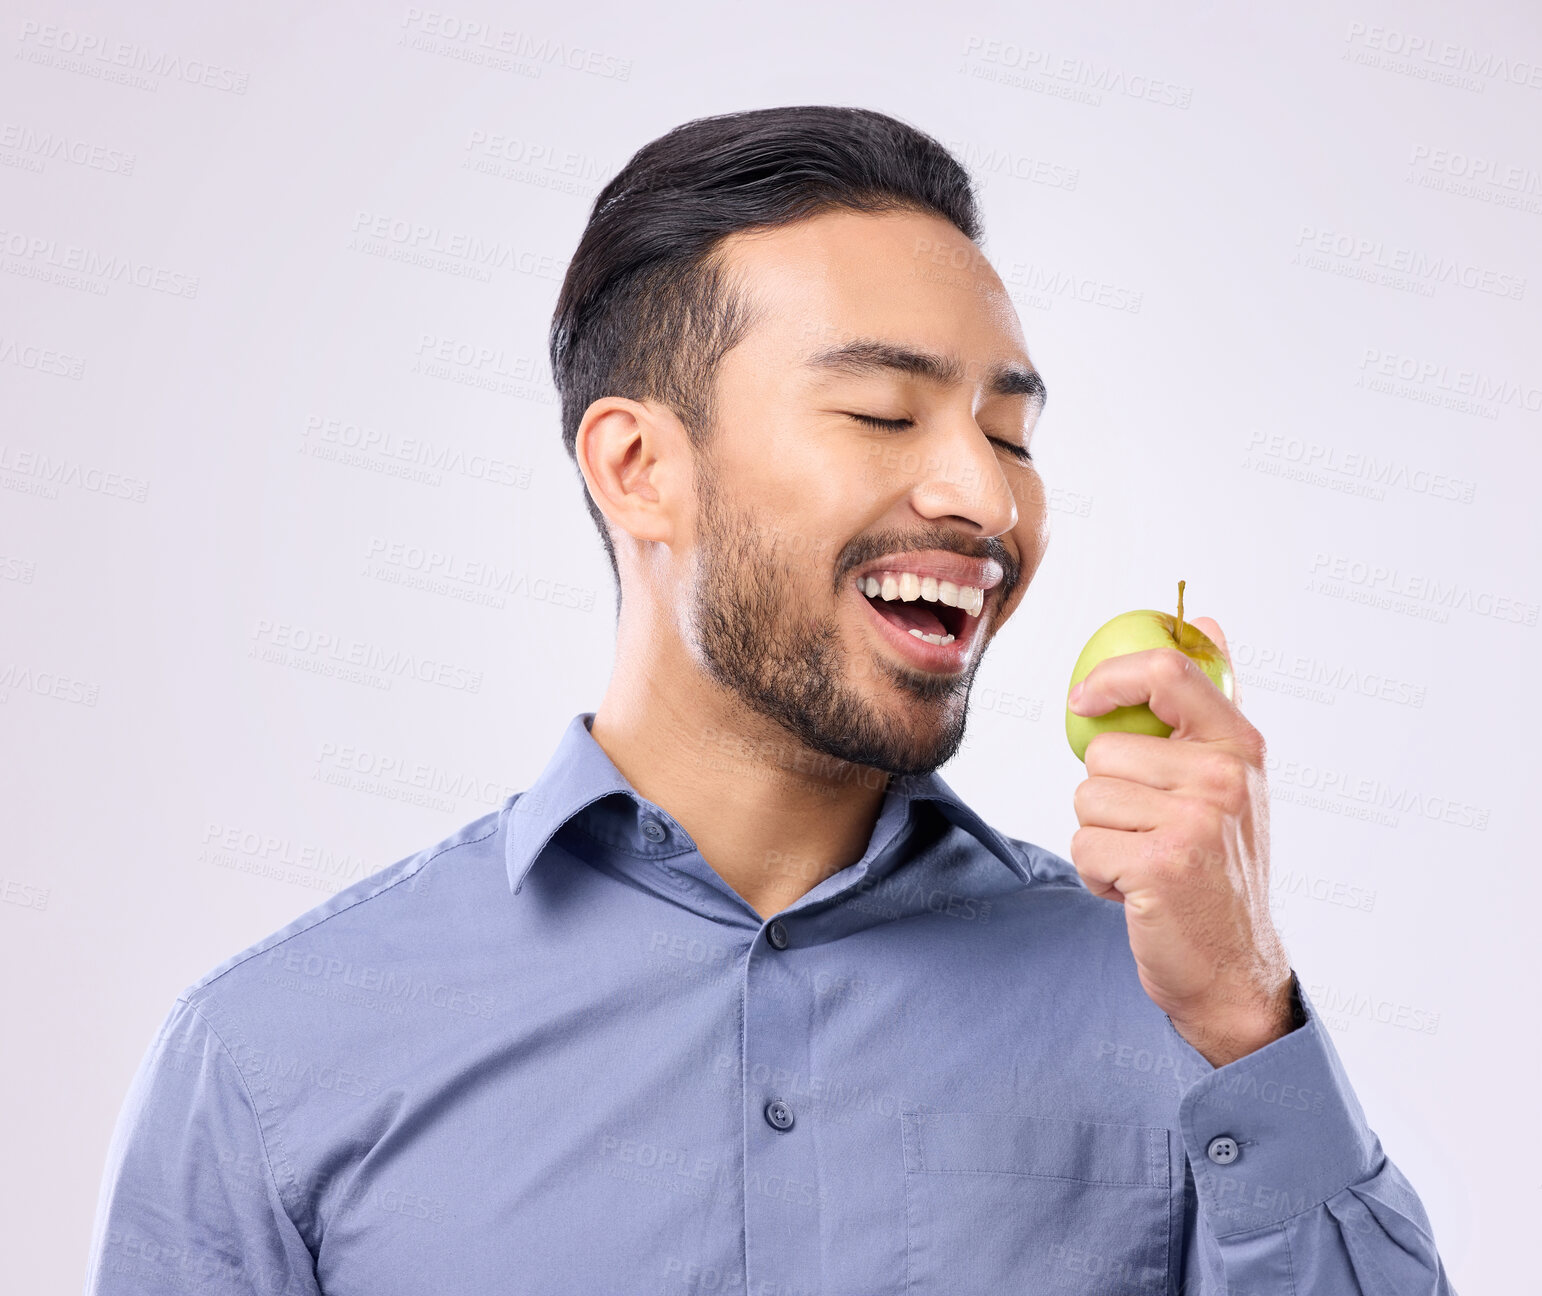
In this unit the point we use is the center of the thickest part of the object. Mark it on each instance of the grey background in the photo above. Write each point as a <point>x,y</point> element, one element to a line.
<point>1277,268</point>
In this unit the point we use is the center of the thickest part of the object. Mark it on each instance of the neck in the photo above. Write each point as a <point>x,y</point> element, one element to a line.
<point>772,818</point>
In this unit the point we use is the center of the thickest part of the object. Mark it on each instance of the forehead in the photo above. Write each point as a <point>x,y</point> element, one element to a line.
<point>910,279</point>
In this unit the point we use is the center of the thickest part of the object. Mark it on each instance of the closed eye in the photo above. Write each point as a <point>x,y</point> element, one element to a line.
<point>896,425</point>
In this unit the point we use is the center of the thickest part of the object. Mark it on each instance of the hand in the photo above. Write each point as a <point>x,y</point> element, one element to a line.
<point>1176,830</point>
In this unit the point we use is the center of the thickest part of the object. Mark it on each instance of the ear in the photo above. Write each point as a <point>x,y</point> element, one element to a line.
<point>636,464</point>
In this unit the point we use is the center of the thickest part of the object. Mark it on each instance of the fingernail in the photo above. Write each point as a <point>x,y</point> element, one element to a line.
<point>1076,694</point>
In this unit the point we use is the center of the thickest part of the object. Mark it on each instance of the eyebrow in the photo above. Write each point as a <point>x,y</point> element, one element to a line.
<point>870,355</point>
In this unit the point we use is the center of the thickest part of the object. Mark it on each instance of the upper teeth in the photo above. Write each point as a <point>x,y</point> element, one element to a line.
<point>908,587</point>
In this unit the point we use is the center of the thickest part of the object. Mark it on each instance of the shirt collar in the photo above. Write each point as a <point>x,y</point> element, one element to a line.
<point>579,773</point>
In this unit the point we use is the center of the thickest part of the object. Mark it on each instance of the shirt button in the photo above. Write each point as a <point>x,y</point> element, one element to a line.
<point>1222,1150</point>
<point>776,933</point>
<point>653,830</point>
<point>778,1114</point>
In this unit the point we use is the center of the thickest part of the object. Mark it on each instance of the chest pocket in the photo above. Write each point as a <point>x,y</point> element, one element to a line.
<point>1003,1202</point>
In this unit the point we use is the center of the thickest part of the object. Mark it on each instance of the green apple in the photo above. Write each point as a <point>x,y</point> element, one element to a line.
<point>1134,632</point>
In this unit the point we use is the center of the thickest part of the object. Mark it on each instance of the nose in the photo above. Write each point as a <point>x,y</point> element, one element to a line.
<point>962,477</point>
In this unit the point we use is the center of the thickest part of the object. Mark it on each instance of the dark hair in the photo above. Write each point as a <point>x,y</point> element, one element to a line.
<point>646,310</point>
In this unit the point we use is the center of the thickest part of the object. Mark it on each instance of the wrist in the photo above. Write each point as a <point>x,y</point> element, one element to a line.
<point>1233,1031</point>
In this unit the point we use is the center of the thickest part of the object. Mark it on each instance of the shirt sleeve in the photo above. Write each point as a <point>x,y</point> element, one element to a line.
<point>1289,1192</point>
<point>188,1200</point>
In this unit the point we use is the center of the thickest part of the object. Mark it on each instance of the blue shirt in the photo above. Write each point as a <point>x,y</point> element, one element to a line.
<point>556,1053</point>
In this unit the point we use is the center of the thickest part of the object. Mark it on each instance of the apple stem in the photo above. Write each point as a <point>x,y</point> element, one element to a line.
<point>1180,613</point>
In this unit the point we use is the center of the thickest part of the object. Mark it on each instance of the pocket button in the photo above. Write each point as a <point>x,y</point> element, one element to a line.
<point>1223,1149</point>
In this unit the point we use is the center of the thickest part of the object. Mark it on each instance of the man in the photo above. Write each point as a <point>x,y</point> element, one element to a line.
<point>739,995</point>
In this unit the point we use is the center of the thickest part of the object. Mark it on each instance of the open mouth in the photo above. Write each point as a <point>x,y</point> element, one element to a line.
<point>929,634</point>
<point>928,617</point>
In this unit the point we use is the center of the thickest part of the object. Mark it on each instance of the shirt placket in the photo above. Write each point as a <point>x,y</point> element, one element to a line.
<point>789,1190</point>
<point>782,1184</point>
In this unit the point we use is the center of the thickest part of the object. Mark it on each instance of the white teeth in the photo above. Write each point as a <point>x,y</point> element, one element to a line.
<point>908,587</point>
<point>933,639</point>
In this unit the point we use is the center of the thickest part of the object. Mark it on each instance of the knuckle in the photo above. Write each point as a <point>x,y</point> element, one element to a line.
<point>1215,825</point>
<point>1105,744</point>
<point>1202,821</point>
<point>1227,782</point>
<point>1166,847</point>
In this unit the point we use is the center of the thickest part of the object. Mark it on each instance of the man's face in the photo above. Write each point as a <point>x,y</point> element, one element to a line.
<point>800,501</point>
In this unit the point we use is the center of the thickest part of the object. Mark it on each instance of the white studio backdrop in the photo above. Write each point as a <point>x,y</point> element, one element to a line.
<point>278,419</point>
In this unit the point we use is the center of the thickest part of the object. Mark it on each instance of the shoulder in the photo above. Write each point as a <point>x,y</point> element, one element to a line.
<point>1048,869</point>
<point>424,887</point>
<point>1055,885</point>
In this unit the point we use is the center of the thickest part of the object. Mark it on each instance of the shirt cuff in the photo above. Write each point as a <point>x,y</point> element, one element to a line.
<point>1275,1132</point>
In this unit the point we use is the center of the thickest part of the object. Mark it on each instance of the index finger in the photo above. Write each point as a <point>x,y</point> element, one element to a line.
<point>1171,683</point>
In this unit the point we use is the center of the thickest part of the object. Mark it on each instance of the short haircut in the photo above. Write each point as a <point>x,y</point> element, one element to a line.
<point>647,309</point>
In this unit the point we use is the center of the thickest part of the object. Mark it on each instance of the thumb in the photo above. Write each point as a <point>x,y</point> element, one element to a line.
<point>1212,630</point>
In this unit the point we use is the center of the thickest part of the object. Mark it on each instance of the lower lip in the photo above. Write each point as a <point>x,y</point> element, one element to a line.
<point>949,658</point>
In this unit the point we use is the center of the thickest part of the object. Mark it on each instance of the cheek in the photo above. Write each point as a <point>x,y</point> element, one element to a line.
<point>1032,529</point>
<point>807,502</point>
